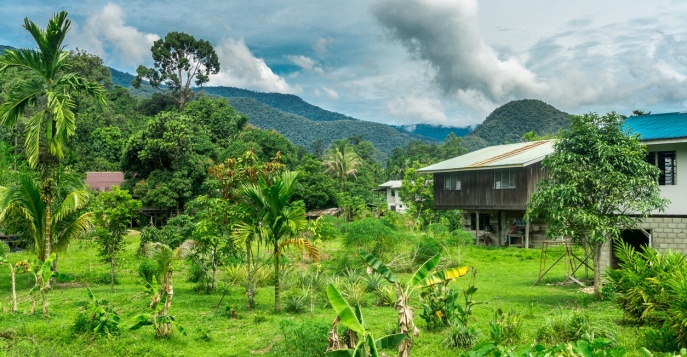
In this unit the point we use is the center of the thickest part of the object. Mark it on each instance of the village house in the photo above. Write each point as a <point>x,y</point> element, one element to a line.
<point>493,185</point>
<point>393,198</point>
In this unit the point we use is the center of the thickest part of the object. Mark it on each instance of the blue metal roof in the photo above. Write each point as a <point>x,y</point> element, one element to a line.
<point>658,126</point>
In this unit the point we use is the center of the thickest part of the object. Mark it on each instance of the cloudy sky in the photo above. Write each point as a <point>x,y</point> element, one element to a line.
<point>448,62</point>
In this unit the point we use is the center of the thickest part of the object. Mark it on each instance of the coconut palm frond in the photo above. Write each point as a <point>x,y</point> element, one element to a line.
<point>302,244</point>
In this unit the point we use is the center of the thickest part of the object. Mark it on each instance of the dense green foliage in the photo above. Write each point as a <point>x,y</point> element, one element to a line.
<point>614,191</point>
<point>303,131</point>
<point>652,291</point>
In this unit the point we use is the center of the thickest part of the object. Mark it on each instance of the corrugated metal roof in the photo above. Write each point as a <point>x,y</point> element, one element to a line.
<point>510,155</point>
<point>391,184</point>
<point>103,181</point>
<point>658,126</point>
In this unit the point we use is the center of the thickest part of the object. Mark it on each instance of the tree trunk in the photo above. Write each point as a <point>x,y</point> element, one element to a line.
<point>214,269</point>
<point>44,301</point>
<point>250,293</point>
<point>14,289</point>
<point>277,302</point>
<point>48,217</point>
<point>596,252</point>
<point>166,328</point>
<point>112,266</point>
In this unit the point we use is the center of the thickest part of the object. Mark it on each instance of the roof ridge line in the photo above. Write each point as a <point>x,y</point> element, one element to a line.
<point>509,153</point>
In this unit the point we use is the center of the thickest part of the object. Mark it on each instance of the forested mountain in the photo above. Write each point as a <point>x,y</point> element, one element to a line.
<point>288,103</point>
<point>303,131</point>
<point>435,132</point>
<point>509,122</point>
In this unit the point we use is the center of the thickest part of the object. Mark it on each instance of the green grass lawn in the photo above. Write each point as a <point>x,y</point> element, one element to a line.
<point>504,280</point>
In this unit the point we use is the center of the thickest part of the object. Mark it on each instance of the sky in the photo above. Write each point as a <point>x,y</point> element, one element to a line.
<point>442,62</point>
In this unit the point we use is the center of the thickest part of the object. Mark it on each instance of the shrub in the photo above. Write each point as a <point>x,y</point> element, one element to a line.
<point>427,248</point>
<point>652,288</point>
<point>296,302</point>
<point>461,237</point>
<point>305,339</point>
<point>149,234</point>
<point>372,235</point>
<point>566,326</point>
<point>147,269</point>
<point>663,339</point>
<point>393,220</point>
<point>505,328</point>
<point>460,336</point>
<point>330,227</point>
<point>97,316</point>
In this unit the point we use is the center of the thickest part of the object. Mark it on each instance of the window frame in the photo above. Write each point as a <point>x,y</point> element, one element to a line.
<point>666,161</point>
<point>452,182</point>
<point>511,177</point>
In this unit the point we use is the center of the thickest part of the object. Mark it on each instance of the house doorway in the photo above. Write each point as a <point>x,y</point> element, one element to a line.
<point>636,238</point>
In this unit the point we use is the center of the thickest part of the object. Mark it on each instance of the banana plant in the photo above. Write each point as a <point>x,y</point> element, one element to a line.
<point>425,276</point>
<point>42,273</point>
<point>162,294</point>
<point>361,341</point>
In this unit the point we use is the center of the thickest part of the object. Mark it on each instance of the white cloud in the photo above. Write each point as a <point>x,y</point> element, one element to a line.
<point>239,68</point>
<point>415,109</point>
<point>306,63</point>
<point>445,34</point>
<point>321,44</point>
<point>106,31</point>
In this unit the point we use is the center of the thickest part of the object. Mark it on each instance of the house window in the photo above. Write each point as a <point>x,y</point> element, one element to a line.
<point>667,163</point>
<point>504,179</point>
<point>452,182</point>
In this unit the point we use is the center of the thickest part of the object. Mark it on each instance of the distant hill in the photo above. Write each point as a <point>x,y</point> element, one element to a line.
<point>435,132</point>
<point>303,131</point>
<point>509,122</point>
<point>120,78</point>
<point>285,102</point>
<point>3,48</point>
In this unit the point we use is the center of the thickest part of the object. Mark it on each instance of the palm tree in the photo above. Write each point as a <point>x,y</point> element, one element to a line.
<point>49,128</point>
<point>277,221</point>
<point>22,207</point>
<point>341,161</point>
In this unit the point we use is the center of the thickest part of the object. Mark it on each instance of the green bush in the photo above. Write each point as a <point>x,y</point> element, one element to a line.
<point>427,248</point>
<point>393,220</point>
<point>372,235</point>
<point>663,339</point>
<point>652,288</point>
<point>567,326</point>
<point>460,336</point>
<point>330,228</point>
<point>305,339</point>
<point>147,269</point>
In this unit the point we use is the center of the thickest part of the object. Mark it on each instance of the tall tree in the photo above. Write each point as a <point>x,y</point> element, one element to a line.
<point>49,128</point>
<point>341,161</point>
<point>179,59</point>
<point>113,213</point>
<point>278,221</point>
<point>599,184</point>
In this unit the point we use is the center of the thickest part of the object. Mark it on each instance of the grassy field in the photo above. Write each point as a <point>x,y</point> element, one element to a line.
<point>504,279</point>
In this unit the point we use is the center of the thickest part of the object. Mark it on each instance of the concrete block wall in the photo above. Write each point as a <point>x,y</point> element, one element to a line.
<point>666,233</point>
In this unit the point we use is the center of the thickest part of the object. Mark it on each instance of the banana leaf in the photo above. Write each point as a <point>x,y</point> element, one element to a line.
<point>378,266</point>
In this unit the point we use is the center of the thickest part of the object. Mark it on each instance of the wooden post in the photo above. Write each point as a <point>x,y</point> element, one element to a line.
<point>476,227</point>
<point>527,234</point>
